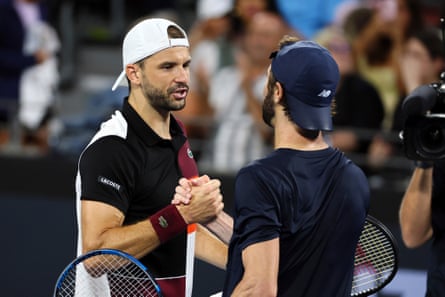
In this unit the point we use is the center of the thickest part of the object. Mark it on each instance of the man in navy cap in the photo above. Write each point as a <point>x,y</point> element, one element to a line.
<point>300,210</point>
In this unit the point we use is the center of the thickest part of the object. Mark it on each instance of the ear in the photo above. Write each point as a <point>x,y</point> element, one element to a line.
<point>278,92</point>
<point>133,73</point>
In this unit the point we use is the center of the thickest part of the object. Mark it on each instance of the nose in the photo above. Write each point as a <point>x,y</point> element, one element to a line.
<point>183,75</point>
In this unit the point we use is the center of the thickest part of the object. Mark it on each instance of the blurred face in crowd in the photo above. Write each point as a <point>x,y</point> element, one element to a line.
<point>215,27</point>
<point>341,52</point>
<point>165,78</point>
<point>262,36</point>
<point>417,52</point>
<point>246,9</point>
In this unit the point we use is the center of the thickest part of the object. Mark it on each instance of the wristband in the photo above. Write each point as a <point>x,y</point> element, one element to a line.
<point>423,164</point>
<point>168,223</point>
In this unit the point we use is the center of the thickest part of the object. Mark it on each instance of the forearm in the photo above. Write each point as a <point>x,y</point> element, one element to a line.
<point>415,209</point>
<point>103,227</point>
<point>221,227</point>
<point>137,239</point>
<point>210,249</point>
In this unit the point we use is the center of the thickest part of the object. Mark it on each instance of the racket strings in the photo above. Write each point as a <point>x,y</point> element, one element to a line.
<point>107,275</point>
<point>374,260</point>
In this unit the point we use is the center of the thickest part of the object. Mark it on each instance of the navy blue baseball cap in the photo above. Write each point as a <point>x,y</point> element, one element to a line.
<point>309,76</point>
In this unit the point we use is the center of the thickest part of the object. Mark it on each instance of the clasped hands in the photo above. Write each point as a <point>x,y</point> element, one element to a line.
<point>199,200</point>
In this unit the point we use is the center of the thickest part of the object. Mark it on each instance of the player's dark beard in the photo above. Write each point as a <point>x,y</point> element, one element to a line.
<point>162,100</point>
<point>268,108</point>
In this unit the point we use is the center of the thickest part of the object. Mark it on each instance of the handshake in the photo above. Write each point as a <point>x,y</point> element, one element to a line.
<point>198,200</point>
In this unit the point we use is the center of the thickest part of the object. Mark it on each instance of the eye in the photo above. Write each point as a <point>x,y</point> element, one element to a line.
<point>167,66</point>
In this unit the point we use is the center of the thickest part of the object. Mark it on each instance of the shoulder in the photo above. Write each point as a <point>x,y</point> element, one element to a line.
<point>108,149</point>
<point>260,170</point>
<point>353,176</point>
<point>110,142</point>
<point>116,126</point>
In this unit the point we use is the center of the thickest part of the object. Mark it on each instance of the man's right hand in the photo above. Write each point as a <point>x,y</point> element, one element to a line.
<point>205,201</point>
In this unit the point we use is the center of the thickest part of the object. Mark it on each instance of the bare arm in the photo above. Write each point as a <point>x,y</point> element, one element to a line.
<point>102,224</point>
<point>210,249</point>
<point>222,227</point>
<point>260,262</point>
<point>102,228</point>
<point>415,209</point>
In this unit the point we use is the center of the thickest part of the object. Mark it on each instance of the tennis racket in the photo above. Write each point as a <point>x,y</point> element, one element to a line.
<point>375,262</point>
<point>106,273</point>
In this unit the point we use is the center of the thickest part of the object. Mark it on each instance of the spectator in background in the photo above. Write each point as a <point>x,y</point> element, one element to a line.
<point>421,62</point>
<point>377,46</point>
<point>211,49</point>
<point>374,48</point>
<point>215,38</point>
<point>38,85</point>
<point>358,107</point>
<point>377,30</point>
<point>16,16</point>
<point>235,95</point>
<point>244,11</point>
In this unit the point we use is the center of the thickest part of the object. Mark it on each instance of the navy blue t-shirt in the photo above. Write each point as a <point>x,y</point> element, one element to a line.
<point>316,202</point>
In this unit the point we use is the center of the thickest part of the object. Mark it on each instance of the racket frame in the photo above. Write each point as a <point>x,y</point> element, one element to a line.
<point>384,230</point>
<point>97,252</point>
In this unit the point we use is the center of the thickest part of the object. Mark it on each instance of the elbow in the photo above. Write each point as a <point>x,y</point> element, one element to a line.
<point>91,244</point>
<point>411,242</point>
<point>256,287</point>
<point>412,239</point>
<point>271,293</point>
<point>269,289</point>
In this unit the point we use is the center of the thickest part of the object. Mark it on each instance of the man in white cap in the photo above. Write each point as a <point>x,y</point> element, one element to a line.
<point>127,174</point>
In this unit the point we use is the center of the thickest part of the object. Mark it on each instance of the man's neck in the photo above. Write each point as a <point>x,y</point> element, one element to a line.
<point>158,122</point>
<point>287,136</point>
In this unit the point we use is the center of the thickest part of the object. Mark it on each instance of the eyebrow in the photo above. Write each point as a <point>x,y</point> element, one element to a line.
<point>174,63</point>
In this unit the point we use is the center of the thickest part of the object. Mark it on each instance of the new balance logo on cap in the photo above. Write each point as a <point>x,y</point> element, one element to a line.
<point>325,93</point>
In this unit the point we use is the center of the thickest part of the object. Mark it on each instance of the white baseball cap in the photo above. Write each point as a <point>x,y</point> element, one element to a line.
<point>207,9</point>
<point>145,39</point>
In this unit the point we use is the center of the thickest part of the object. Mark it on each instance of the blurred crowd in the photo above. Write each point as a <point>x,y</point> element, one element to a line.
<point>384,49</point>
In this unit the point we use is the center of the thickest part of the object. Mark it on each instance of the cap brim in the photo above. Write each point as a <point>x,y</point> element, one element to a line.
<point>308,116</point>
<point>120,81</point>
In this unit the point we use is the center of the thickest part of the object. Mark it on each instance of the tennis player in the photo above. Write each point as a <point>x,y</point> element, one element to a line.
<point>300,210</point>
<point>128,172</point>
